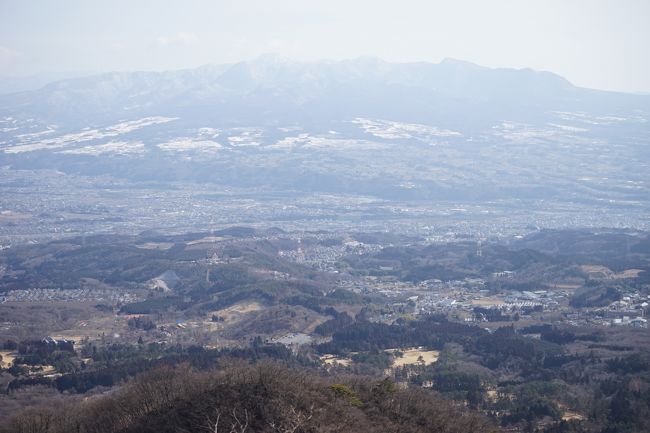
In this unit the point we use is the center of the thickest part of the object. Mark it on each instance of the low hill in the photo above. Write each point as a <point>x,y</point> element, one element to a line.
<point>262,398</point>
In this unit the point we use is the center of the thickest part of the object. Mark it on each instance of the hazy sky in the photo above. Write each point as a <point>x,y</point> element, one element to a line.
<point>594,43</point>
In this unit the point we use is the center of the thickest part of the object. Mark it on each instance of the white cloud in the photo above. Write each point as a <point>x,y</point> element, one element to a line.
<point>179,38</point>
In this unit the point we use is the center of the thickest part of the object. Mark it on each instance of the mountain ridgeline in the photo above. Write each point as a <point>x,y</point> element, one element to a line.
<point>451,131</point>
<point>271,89</point>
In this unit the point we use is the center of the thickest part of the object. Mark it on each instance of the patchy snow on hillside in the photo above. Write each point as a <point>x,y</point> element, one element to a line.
<point>187,144</point>
<point>112,147</point>
<point>391,130</point>
<point>27,145</point>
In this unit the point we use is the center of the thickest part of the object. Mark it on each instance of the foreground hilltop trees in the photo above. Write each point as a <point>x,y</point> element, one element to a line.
<point>267,397</point>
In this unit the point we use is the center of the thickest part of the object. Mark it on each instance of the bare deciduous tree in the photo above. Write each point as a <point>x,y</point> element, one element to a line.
<point>238,424</point>
<point>291,419</point>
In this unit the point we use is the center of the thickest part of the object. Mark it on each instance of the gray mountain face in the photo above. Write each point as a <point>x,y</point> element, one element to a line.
<point>447,131</point>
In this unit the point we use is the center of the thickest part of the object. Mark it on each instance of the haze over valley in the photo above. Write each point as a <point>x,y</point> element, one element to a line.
<point>421,136</point>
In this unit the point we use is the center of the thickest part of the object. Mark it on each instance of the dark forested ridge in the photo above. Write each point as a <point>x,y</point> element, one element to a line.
<point>262,398</point>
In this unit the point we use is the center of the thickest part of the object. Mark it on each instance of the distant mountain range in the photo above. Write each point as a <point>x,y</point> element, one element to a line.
<point>270,89</point>
<point>420,130</point>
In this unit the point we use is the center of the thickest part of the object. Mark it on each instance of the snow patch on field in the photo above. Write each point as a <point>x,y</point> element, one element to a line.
<point>324,142</point>
<point>33,135</point>
<point>209,132</point>
<point>82,136</point>
<point>187,144</point>
<point>391,130</point>
<point>590,119</point>
<point>249,137</point>
<point>115,147</point>
<point>290,142</point>
<point>568,128</point>
<point>132,125</point>
<point>523,133</point>
<point>307,141</point>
